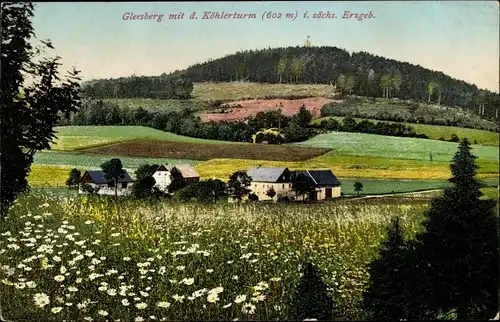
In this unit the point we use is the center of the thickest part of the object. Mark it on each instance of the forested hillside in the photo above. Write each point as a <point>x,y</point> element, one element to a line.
<point>357,73</point>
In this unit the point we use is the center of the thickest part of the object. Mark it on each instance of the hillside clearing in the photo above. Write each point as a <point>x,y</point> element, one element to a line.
<point>361,144</point>
<point>164,149</point>
<point>244,91</point>
<point>79,137</point>
<point>435,132</point>
<point>240,110</point>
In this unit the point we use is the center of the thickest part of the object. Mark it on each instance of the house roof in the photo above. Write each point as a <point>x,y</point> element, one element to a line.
<point>262,174</point>
<point>97,177</point>
<point>322,177</point>
<point>186,170</point>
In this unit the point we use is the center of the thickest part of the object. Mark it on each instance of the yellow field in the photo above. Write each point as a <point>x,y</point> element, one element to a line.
<point>48,175</point>
<point>346,167</point>
<point>240,91</point>
<point>70,143</point>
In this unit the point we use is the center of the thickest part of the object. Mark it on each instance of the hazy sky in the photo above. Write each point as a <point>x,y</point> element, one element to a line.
<point>456,37</point>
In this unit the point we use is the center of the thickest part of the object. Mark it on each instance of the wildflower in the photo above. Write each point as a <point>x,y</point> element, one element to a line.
<point>89,253</point>
<point>212,297</point>
<point>164,305</point>
<point>310,320</point>
<point>178,298</point>
<point>20,285</point>
<point>144,294</point>
<point>235,277</point>
<point>115,235</point>
<point>188,281</point>
<point>59,278</point>
<point>31,284</point>
<point>126,258</point>
<point>216,290</point>
<point>56,309</point>
<point>88,222</point>
<point>78,280</point>
<point>125,302</point>
<point>181,268</point>
<point>259,298</point>
<point>139,319</point>
<point>112,292</point>
<point>275,279</point>
<point>69,304</point>
<point>41,299</point>
<point>141,306</point>
<point>209,271</point>
<point>227,305</point>
<point>248,308</point>
<point>72,289</point>
<point>102,312</point>
<point>56,258</point>
<point>102,288</point>
<point>63,269</point>
<point>240,298</point>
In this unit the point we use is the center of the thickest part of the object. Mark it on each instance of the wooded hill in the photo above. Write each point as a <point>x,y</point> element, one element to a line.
<point>359,73</point>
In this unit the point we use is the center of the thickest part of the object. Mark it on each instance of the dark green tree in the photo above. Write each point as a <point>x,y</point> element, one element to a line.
<point>28,112</point>
<point>113,171</point>
<point>459,248</point>
<point>238,184</point>
<point>302,184</point>
<point>74,179</point>
<point>303,116</point>
<point>387,297</point>
<point>177,182</point>
<point>144,185</point>
<point>271,193</point>
<point>358,187</point>
<point>311,297</point>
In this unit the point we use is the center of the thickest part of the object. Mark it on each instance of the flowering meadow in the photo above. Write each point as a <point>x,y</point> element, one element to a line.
<point>84,259</point>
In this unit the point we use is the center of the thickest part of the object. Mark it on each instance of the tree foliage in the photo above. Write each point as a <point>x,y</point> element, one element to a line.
<point>358,187</point>
<point>311,297</point>
<point>144,185</point>
<point>238,184</point>
<point>302,184</point>
<point>74,179</point>
<point>113,172</point>
<point>209,190</point>
<point>177,182</point>
<point>28,112</point>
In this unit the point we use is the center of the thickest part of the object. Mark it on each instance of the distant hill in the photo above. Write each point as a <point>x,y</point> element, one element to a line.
<point>359,73</point>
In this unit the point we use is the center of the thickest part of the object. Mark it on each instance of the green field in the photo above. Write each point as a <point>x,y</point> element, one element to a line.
<point>79,137</point>
<point>435,132</point>
<point>373,145</point>
<point>89,160</point>
<point>155,105</point>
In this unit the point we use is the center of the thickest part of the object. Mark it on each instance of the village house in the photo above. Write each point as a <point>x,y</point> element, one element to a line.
<point>265,178</point>
<point>96,179</point>
<point>163,176</point>
<point>326,184</point>
<point>280,179</point>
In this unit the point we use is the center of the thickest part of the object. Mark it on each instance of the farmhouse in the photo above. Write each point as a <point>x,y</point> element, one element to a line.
<point>96,179</point>
<point>326,184</point>
<point>264,179</point>
<point>163,176</point>
<point>280,179</point>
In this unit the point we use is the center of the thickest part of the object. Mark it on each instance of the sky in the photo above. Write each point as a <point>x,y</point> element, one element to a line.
<point>459,38</point>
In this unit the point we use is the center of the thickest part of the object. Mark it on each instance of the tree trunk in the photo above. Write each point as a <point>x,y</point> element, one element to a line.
<point>116,188</point>
<point>429,100</point>
<point>280,78</point>
<point>439,98</point>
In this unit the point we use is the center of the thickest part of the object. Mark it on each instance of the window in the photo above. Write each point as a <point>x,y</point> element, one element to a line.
<point>124,185</point>
<point>283,186</point>
<point>111,184</point>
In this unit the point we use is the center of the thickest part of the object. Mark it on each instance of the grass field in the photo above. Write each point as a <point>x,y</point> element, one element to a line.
<point>87,160</point>
<point>372,145</point>
<point>155,105</point>
<point>437,131</point>
<point>243,91</point>
<point>197,151</point>
<point>79,137</point>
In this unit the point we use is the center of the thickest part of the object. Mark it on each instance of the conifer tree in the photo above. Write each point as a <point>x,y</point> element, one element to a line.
<point>312,300</point>
<point>387,298</point>
<point>458,250</point>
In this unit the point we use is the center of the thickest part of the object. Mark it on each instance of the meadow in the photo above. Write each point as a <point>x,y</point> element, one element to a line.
<point>75,258</point>
<point>435,132</point>
<point>79,137</point>
<point>372,145</point>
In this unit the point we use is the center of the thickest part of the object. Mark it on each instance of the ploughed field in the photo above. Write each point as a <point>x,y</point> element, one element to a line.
<point>196,151</point>
<point>240,110</point>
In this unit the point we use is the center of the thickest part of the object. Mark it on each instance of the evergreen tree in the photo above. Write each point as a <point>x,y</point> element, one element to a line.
<point>311,297</point>
<point>459,249</point>
<point>177,182</point>
<point>144,184</point>
<point>302,184</point>
<point>238,184</point>
<point>387,297</point>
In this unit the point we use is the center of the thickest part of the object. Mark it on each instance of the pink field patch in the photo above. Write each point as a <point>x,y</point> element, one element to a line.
<point>252,107</point>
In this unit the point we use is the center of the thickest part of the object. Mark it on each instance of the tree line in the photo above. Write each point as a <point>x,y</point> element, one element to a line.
<point>290,128</point>
<point>349,124</point>
<point>337,109</point>
<point>153,87</point>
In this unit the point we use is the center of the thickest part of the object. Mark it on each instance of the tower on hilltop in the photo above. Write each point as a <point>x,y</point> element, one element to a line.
<point>307,43</point>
